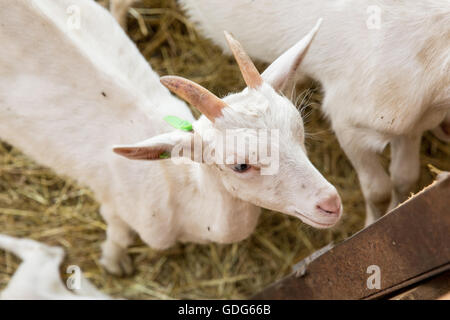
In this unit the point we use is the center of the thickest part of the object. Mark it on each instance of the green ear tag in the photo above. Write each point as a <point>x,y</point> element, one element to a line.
<point>164,155</point>
<point>178,123</point>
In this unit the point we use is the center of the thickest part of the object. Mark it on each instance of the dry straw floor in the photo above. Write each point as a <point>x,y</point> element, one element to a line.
<point>36,203</point>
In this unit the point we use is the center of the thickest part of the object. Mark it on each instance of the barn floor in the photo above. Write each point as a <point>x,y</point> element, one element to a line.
<point>36,203</point>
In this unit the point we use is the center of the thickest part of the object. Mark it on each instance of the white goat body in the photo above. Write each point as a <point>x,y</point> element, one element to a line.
<point>67,96</point>
<point>38,278</point>
<point>385,83</point>
<point>73,85</point>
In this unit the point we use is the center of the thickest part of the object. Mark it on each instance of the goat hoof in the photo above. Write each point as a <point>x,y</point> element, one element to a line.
<point>119,266</point>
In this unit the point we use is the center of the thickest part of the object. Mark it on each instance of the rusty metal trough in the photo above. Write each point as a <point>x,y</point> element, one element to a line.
<point>408,246</point>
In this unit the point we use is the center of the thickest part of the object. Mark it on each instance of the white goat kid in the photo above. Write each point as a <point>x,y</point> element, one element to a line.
<point>383,83</point>
<point>73,93</point>
<point>38,278</point>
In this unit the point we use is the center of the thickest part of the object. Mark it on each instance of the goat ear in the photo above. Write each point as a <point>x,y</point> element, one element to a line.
<point>156,148</point>
<point>284,68</point>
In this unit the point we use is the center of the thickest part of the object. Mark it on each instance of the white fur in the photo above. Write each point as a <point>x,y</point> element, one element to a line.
<point>381,86</point>
<point>37,277</point>
<point>67,96</point>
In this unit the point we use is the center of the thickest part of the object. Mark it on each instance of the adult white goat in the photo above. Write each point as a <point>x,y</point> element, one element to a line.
<point>384,66</point>
<point>73,85</point>
<point>38,278</point>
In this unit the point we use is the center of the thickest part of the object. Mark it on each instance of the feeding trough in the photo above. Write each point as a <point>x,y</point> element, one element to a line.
<point>405,247</point>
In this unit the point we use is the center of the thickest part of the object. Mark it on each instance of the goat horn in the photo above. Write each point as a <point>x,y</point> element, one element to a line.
<point>251,75</point>
<point>204,100</point>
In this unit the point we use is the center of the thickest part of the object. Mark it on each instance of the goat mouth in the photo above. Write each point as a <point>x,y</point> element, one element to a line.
<point>312,222</point>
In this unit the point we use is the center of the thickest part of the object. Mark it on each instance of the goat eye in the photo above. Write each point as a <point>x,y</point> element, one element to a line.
<point>241,167</point>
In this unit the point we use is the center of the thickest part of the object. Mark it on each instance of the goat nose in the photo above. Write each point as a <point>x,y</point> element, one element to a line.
<point>331,205</point>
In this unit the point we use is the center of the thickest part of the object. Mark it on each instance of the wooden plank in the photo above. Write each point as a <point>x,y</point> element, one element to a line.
<point>409,244</point>
<point>430,289</point>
